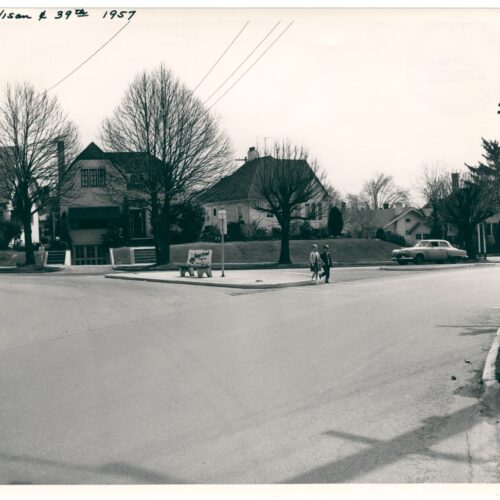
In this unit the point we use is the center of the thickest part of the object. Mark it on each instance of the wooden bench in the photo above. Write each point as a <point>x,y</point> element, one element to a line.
<point>199,261</point>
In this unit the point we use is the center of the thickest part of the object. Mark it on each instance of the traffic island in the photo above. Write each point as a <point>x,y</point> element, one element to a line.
<point>434,267</point>
<point>252,279</point>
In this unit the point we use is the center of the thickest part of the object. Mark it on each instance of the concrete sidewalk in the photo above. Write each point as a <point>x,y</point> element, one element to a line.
<point>258,278</point>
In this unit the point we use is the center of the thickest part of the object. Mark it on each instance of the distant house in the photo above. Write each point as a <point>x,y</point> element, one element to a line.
<point>91,208</point>
<point>410,223</point>
<point>237,194</point>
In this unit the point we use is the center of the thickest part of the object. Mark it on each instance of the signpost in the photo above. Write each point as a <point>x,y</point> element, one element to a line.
<point>223,231</point>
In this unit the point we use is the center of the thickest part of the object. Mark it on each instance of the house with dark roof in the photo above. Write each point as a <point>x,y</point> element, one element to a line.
<point>92,207</point>
<point>237,194</point>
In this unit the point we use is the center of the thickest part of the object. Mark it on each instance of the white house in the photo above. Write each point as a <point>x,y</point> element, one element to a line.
<point>91,208</point>
<point>237,194</point>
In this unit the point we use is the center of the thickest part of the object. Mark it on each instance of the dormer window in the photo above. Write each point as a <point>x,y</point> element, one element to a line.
<point>93,177</point>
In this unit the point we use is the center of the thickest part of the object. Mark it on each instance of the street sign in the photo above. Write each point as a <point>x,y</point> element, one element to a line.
<point>223,224</point>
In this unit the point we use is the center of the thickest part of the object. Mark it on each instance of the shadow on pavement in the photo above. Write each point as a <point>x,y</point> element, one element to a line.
<point>127,473</point>
<point>484,329</point>
<point>384,452</point>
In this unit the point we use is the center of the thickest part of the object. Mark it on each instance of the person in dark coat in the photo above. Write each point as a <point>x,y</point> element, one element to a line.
<point>326,260</point>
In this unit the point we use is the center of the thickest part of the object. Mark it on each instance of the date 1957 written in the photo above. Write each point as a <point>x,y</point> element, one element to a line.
<point>66,14</point>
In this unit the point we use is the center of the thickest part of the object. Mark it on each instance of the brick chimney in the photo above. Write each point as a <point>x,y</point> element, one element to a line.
<point>252,154</point>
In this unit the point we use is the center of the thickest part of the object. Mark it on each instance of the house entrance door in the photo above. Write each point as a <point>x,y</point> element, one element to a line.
<point>138,223</point>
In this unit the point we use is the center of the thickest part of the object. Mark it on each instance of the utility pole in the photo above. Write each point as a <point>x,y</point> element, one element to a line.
<point>223,231</point>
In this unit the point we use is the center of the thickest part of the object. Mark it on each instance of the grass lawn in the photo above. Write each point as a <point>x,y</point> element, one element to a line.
<point>342,250</point>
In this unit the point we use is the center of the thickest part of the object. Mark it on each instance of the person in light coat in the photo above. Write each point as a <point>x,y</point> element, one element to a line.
<point>315,263</point>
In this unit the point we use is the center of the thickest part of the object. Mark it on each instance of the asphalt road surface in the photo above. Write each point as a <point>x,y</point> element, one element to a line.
<point>106,381</point>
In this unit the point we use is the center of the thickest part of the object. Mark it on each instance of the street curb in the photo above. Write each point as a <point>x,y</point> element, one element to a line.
<point>491,395</point>
<point>435,267</point>
<point>199,282</point>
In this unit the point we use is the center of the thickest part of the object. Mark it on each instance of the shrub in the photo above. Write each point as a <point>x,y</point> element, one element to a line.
<point>380,234</point>
<point>335,222</point>
<point>234,231</point>
<point>295,228</point>
<point>306,231</point>
<point>253,231</point>
<point>395,238</point>
<point>8,232</point>
<point>321,232</point>
<point>113,237</point>
<point>261,233</point>
<point>188,218</point>
<point>211,233</point>
<point>276,233</point>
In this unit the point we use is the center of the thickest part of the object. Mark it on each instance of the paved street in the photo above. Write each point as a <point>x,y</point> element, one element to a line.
<point>109,381</point>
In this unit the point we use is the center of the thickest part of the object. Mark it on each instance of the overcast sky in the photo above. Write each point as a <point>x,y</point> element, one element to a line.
<point>365,90</point>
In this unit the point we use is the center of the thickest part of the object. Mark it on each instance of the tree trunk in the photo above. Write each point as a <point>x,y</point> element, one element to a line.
<point>28,238</point>
<point>469,243</point>
<point>285,242</point>
<point>155,225</point>
<point>164,232</point>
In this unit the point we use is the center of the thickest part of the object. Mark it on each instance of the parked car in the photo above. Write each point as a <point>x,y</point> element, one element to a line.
<point>429,251</point>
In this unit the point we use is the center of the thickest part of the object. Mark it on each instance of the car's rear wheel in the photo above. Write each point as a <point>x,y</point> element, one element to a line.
<point>419,259</point>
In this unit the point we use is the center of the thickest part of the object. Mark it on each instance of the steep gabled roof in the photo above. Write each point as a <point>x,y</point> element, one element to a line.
<point>237,186</point>
<point>130,161</point>
<point>403,214</point>
<point>241,185</point>
<point>124,161</point>
<point>91,152</point>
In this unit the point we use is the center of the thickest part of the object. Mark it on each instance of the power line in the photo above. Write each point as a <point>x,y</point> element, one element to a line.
<point>241,64</point>
<point>88,58</point>
<point>221,56</point>
<point>254,63</point>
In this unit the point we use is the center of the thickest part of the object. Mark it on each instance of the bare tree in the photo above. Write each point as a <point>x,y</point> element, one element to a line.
<point>434,186</point>
<point>358,217</point>
<point>284,180</point>
<point>182,148</point>
<point>37,140</point>
<point>382,190</point>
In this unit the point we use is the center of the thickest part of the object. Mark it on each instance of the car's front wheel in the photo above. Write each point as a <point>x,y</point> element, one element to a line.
<point>419,259</point>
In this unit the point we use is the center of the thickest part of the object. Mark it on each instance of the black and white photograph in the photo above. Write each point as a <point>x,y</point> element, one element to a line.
<point>250,247</point>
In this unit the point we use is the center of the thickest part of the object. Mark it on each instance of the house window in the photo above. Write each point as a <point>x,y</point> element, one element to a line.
<point>312,211</point>
<point>240,213</point>
<point>93,177</point>
<point>408,220</point>
<point>214,212</point>
<point>90,255</point>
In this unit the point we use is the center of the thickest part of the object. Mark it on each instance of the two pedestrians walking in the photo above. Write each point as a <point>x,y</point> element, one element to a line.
<point>319,261</point>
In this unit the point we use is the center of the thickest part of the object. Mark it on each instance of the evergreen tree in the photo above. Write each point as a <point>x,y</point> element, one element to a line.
<point>335,222</point>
